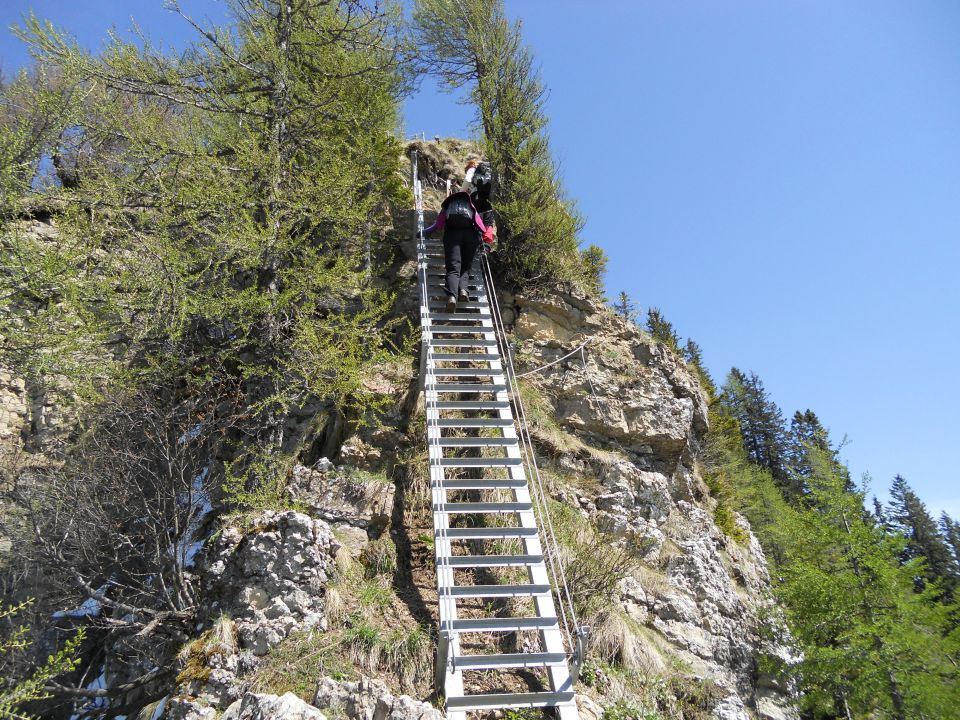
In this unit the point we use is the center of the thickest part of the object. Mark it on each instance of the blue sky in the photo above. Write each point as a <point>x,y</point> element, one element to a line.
<point>781,178</point>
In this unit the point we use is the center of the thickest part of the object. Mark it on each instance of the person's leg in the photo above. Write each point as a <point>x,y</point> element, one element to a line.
<point>452,260</point>
<point>468,251</point>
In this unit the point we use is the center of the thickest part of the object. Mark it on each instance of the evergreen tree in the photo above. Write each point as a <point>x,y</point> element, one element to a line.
<point>761,427</point>
<point>595,267</point>
<point>908,515</point>
<point>473,45</point>
<point>694,357</point>
<point>625,307</point>
<point>872,647</point>
<point>662,330</point>
<point>950,532</point>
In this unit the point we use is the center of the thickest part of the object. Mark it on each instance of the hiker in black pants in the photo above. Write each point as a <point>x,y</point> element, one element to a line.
<point>463,228</point>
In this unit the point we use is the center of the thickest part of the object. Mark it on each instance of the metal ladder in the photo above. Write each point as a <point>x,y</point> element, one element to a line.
<point>460,359</point>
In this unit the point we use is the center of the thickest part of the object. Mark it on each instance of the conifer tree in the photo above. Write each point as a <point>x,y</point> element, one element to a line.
<point>761,426</point>
<point>908,515</point>
<point>662,330</point>
<point>871,645</point>
<point>950,531</point>
<point>694,357</point>
<point>625,307</point>
<point>473,45</point>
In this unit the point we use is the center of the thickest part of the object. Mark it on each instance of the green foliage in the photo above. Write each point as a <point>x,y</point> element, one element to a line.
<point>258,484</point>
<point>662,330</point>
<point>214,224</point>
<point>17,692</point>
<point>595,267</point>
<point>474,45</point>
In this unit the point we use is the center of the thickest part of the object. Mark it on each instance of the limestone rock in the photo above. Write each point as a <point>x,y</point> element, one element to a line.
<point>342,497</point>
<point>256,706</point>
<point>271,580</point>
<point>370,699</point>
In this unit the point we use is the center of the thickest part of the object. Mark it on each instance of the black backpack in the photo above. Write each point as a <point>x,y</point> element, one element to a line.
<point>483,179</point>
<point>459,211</point>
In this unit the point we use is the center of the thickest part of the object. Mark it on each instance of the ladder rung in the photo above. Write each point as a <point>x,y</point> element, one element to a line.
<point>460,330</point>
<point>492,591</point>
<point>472,422</point>
<point>479,484</point>
<point>477,462</point>
<point>463,357</point>
<point>482,507</point>
<point>466,387</point>
<point>464,342</point>
<point>455,317</point>
<point>467,703</point>
<point>472,404</point>
<point>461,305</point>
<point>508,624</point>
<point>476,442</point>
<point>508,660</point>
<point>473,561</point>
<point>464,372</point>
<point>486,533</point>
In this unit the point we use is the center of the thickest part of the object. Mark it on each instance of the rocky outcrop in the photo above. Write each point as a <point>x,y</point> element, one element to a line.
<point>271,577</point>
<point>370,699</point>
<point>642,416</point>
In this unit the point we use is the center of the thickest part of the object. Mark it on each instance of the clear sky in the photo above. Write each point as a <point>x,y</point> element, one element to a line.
<point>781,178</point>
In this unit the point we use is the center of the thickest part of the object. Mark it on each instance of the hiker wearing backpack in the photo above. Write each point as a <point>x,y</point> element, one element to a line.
<point>463,229</point>
<point>478,181</point>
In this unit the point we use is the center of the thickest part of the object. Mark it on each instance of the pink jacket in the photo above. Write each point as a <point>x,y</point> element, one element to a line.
<point>485,232</point>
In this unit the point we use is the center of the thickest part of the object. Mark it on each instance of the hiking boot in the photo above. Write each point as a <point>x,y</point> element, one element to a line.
<point>451,304</point>
<point>464,296</point>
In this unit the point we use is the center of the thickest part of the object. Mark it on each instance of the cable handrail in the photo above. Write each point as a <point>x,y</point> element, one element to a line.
<point>429,396</point>
<point>564,597</point>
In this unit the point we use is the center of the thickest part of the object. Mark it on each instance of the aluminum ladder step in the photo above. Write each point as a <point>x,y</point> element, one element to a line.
<point>479,484</point>
<point>467,703</point>
<point>461,357</point>
<point>464,372</point>
<point>507,624</point>
<point>460,329</point>
<point>472,422</point>
<point>456,317</point>
<point>461,305</point>
<point>477,442</point>
<point>471,404</point>
<point>482,507</point>
<point>476,462</point>
<point>463,342</point>
<point>487,533</point>
<point>466,387</point>
<point>508,661</point>
<point>478,561</point>
<point>494,591</point>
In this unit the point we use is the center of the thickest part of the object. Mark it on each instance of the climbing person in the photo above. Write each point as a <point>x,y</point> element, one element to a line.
<point>463,230</point>
<point>480,178</point>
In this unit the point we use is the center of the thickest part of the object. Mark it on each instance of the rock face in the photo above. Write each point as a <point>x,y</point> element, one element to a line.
<point>644,416</point>
<point>271,580</point>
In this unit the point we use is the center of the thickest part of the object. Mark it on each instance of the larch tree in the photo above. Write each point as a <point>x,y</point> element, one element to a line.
<point>205,292</point>
<point>473,45</point>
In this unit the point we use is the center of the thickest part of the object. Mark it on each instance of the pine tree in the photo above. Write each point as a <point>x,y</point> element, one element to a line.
<point>908,515</point>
